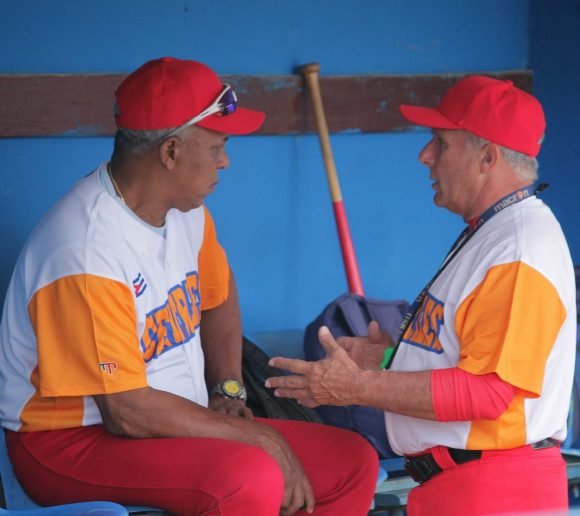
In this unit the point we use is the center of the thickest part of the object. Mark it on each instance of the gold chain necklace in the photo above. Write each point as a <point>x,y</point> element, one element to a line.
<point>115,185</point>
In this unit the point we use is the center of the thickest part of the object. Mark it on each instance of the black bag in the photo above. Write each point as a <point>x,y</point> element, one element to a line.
<point>349,315</point>
<point>261,400</point>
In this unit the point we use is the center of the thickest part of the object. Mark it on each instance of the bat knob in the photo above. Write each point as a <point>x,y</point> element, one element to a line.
<point>310,68</point>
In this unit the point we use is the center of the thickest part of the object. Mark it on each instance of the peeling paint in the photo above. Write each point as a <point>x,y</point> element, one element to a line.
<point>281,83</point>
<point>241,89</point>
<point>83,130</point>
<point>350,131</point>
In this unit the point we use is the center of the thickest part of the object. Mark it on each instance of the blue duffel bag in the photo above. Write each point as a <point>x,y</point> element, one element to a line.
<point>349,316</point>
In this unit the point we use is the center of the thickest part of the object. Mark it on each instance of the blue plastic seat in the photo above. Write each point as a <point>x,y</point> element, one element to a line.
<point>73,509</point>
<point>19,503</point>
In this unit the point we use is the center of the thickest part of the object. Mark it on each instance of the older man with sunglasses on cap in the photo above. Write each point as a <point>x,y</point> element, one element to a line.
<point>477,390</point>
<point>122,313</point>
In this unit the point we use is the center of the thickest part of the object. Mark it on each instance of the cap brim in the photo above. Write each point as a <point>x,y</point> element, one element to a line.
<point>241,121</point>
<point>427,117</point>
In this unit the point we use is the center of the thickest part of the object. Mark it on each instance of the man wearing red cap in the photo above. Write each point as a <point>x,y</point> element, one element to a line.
<point>477,390</point>
<point>123,312</point>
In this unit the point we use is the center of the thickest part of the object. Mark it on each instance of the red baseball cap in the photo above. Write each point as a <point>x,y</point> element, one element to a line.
<point>168,92</point>
<point>492,109</point>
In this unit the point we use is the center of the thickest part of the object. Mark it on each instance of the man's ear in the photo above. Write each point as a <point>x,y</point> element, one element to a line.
<point>490,155</point>
<point>169,152</point>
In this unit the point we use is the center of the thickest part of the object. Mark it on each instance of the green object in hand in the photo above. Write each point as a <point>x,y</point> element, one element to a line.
<point>387,357</point>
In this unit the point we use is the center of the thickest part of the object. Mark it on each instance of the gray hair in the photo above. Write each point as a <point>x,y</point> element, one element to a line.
<point>138,143</point>
<point>526,167</point>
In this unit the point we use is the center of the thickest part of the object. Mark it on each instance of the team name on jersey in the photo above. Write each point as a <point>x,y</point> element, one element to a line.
<point>175,322</point>
<point>425,327</point>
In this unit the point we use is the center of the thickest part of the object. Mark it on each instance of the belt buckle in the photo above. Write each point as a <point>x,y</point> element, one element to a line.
<point>422,467</point>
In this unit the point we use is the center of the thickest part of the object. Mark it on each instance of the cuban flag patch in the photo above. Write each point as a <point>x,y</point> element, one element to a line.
<point>139,285</point>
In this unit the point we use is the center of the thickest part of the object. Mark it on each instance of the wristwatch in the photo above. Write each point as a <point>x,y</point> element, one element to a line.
<point>230,388</point>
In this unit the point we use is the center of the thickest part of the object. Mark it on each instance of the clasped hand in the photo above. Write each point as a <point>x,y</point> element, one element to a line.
<point>298,492</point>
<point>229,407</point>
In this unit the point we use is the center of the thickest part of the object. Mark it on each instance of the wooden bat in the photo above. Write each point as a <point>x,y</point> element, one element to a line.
<point>310,73</point>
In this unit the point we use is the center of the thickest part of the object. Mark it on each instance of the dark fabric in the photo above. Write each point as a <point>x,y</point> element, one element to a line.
<point>577,271</point>
<point>573,438</point>
<point>349,315</point>
<point>424,467</point>
<point>262,402</point>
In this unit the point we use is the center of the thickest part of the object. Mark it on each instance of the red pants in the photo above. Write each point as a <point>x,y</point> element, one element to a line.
<point>522,480</point>
<point>200,476</point>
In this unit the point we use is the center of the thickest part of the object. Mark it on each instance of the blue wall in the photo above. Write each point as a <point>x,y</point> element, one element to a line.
<point>272,206</point>
<point>555,58</point>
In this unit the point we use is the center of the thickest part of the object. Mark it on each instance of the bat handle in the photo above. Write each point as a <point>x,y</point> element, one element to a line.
<point>310,73</point>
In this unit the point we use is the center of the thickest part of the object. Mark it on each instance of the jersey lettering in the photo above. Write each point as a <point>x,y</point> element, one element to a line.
<point>175,322</point>
<point>425,327</point>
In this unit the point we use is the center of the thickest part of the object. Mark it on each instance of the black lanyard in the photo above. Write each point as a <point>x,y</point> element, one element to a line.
<point>464,237</point>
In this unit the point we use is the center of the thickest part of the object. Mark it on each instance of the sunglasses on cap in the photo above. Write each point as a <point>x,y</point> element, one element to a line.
<point>225,104</point>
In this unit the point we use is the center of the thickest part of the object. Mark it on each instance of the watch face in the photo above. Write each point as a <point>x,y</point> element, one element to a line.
<point>232,388</point>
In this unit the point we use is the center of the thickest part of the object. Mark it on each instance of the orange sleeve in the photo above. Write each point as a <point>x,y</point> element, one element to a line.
<point>214,271</point>
<point>508,325</point>
<point>86,332</point>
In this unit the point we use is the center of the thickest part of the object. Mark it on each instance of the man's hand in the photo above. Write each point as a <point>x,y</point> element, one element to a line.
<point>367,352</point>
<point>330,381</point>
<point>298,493</point>
<point>229,407</point>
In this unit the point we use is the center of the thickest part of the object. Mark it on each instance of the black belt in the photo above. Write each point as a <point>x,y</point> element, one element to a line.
<point>423,467</point>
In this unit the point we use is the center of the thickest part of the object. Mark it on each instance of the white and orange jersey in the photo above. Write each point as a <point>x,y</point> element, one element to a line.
<point>101,303</point>
<point>504,304</point>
